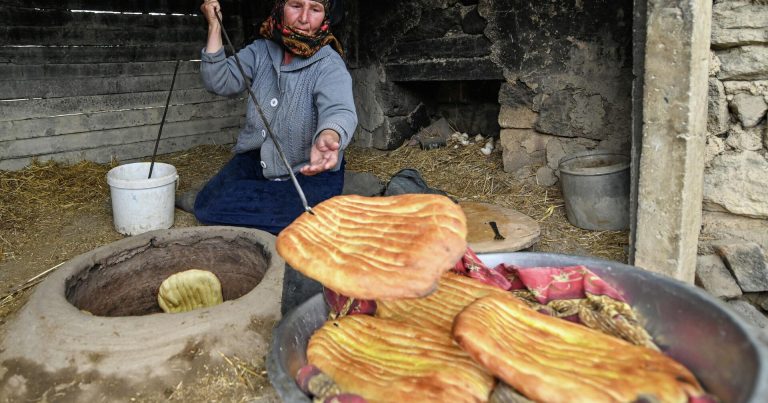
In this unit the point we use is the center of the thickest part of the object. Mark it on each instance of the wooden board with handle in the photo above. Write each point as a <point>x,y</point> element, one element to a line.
<point>517,230</point>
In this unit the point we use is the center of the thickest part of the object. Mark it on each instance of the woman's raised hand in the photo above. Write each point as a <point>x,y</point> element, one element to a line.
<point>209,9</point>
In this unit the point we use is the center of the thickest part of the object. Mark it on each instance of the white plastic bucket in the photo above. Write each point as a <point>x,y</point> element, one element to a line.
<point>141,204</point>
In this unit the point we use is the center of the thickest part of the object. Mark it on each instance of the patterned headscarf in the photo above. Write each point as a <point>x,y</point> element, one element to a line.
<point>296,42</point>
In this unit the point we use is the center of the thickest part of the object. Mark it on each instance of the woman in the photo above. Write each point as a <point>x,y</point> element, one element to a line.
<point>305,91</point>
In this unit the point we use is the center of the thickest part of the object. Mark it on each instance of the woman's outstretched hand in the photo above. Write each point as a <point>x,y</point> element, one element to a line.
<point>324,154</point>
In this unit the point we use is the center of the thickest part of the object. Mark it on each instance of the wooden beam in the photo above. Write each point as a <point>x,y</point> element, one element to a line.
<point>41,146</point>
<point>99,54</point>
<point>49,127</point>
<point>37,108</point>
<point>16,72</point>
<point>126,152</point>
<point>464,45</point>
<point>480,68</point>
<point>52,88</point>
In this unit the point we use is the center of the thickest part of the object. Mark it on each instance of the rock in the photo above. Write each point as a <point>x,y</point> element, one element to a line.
<point>718,118</point>
<point>472,23</point>
<point>753,87</point>
<point>735,182</point>
<point>715,146</point>
<point>617,144</point>
<point>750,139</point>
<point>438,129</point>
<point>395,99</point>
<point>747,263</point>
<point>370,111</point>
<point>434,23</point>
<point>545,176</point>
<point>558,147</point>
<point>714,277</point>
<point>517,117</point>
<point>517,94</point>
<point>392,133</point>
<point>750,109</point>
<point>738,23</point>
<point>744,63</point>
<point>749,313</point>
<point>362,183</point>
<point>571,113</point>
<point>765,136</point>
<point>521,148</point>
<point>716,227</point>
<point>758,299</point>
<point>714,64</point>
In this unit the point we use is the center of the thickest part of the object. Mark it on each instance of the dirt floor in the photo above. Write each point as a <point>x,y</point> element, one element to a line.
<point>50,213</point>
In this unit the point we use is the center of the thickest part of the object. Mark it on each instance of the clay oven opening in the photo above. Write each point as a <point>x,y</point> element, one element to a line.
<point>126,282</point>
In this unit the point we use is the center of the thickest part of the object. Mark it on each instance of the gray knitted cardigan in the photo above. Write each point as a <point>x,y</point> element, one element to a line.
<point>300,100</point>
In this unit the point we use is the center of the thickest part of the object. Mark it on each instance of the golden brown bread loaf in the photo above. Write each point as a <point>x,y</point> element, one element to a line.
<point>553,360</point>
<point>377,247</point>
<point>388,361</point>
<point>189,290</point>
<point>454,293</point>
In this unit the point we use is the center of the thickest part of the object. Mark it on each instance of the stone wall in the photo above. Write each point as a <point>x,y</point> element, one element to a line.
<point>414,62</point>
<point>564,71</point>
<point>734,235</point>
<point>568,77</point>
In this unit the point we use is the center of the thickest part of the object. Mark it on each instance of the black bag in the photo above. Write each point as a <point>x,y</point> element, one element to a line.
<point>409,181</point>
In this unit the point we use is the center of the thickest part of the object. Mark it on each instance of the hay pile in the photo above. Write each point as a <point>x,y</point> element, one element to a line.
<point>46,195</point>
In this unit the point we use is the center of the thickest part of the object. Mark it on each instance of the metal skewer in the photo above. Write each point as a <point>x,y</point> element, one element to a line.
<point>264,119</point>
<point>162,121</point>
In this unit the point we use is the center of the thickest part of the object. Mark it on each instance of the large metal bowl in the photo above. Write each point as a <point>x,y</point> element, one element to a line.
<point>688,324</point>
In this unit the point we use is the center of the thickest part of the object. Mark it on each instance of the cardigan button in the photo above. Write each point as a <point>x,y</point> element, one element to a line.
<point>263,164</point>
<point>273,102</point>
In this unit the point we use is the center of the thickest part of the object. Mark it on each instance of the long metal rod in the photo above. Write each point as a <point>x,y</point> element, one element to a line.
<point>264,119</point>
<point>162,121</point>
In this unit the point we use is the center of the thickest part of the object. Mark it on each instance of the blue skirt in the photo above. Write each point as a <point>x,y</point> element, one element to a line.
<point>240,195</point>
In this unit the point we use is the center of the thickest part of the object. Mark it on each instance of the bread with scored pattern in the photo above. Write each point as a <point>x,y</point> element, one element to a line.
<point>454,293</point>
<point>388,361</point>
<point>553,360</point>
<point>377,247</point>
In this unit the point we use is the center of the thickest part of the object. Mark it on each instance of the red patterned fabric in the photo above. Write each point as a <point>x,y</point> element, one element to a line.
<point>340,305</point>
<point>545,283</point>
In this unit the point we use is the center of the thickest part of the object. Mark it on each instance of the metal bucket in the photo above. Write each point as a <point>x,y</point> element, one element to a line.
<point>687,323</point>
<point>595,187</point>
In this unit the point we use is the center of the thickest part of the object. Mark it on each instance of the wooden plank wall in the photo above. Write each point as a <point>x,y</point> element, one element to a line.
<point>92,86</point>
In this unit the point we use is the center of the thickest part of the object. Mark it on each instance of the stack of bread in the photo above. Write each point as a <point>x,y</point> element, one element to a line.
<point>440,336</point>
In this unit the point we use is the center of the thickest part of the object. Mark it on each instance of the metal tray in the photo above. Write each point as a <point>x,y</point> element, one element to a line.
<point>688,324</point>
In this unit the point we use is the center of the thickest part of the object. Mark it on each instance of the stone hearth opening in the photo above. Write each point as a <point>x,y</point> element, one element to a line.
<point>469,106</point>
<point>546,79</point>
<point>127,283</point>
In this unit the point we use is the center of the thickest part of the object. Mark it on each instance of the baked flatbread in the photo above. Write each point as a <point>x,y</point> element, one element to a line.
<point>388,361</point>
<point>553,360</point>
<point>454,293</point>
<point>189,290</point>
<point>377,247</point>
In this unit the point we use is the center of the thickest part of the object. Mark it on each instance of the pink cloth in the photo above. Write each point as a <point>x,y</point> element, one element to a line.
<point>545,283</point>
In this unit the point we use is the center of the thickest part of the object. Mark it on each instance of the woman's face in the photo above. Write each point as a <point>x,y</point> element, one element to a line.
<point>305,16</point>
